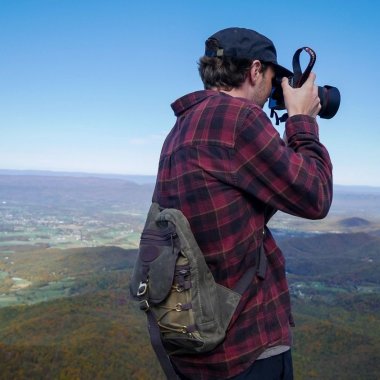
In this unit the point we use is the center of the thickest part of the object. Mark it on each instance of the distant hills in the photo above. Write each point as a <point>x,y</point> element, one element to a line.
<point>344,259</point>
<point>354,222</point>
<point>51,187</point>
<point>139,179</point>
<point>143,179</point>
<point>68,191</point>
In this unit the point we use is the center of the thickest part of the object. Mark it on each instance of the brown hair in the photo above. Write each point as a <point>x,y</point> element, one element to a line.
<point>224,72</point>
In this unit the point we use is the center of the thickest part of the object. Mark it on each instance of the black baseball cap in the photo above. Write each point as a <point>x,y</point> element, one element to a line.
<point>244,43</point>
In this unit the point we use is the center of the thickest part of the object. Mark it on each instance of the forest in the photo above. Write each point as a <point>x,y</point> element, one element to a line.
<point>95,331</point>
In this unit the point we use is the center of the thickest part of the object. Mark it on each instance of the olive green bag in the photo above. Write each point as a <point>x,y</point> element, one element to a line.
<point>188,312</point>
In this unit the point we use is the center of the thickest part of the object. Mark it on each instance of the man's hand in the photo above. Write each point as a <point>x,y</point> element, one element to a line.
<point>303,100</point>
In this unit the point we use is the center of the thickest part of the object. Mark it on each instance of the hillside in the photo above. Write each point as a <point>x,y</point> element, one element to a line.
<point>337,340</point>
<point>343,259</point>
<point>95,335</point>
<point>77,301</point>
<point>72,192</point>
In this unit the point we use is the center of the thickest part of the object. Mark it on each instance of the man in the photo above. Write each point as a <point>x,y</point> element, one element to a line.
<point>227,169</point>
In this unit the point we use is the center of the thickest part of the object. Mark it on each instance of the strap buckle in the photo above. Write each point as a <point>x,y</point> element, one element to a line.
<point>144,305</point>
<point>143,287</point>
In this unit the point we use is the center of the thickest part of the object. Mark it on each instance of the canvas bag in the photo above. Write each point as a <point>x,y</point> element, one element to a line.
<point>188,312</point>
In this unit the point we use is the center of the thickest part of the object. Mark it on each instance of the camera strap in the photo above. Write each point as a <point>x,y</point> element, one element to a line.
<point>299,77</point>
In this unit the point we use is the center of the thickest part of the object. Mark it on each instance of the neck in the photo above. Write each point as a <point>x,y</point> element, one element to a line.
<point>244,91</point>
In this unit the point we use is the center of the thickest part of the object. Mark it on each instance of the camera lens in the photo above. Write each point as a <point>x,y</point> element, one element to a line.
<point>330,101</point>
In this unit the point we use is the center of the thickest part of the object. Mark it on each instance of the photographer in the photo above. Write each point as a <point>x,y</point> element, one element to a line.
<point>226,168</point>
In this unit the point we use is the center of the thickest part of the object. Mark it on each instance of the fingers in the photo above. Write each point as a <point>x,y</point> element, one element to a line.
<point>310,79</point>
<point>310,82</point>
<point>302,100</point>
<point>285,82</point>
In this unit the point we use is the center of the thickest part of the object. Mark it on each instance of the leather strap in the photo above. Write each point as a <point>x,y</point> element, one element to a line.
<point>155,338</point>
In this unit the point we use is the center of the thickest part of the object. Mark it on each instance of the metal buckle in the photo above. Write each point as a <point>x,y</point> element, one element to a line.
<point>178,288</point>
<point>143,287</point>
<point>144,305</point>
<point>178,307</point>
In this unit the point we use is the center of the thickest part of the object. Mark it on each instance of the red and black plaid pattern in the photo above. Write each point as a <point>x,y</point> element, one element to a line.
<point>226,168</point>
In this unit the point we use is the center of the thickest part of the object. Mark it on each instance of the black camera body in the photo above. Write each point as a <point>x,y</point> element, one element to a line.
<point>329,96</point>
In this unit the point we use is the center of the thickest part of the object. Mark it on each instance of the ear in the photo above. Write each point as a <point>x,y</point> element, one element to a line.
<point>255,71</point>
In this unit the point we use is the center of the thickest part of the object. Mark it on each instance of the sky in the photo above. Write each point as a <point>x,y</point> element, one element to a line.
<point>86,85</point>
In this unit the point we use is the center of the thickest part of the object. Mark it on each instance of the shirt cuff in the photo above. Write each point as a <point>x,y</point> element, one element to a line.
<point>301,124</point>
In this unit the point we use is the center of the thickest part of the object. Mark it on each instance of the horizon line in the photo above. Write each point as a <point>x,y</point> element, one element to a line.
<point>115,175</point>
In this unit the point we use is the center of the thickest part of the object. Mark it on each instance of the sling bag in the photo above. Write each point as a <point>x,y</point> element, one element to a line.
<point>187,311</point>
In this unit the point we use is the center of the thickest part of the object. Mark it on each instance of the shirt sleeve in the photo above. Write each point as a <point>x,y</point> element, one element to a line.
<point>296,177</point>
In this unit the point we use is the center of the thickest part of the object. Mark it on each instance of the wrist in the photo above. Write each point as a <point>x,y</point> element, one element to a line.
<point>301,124</point>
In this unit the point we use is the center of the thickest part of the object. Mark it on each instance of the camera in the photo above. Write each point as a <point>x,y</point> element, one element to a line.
<point>329,96</point>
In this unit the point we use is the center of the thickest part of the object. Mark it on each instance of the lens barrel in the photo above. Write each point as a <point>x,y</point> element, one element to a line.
<point>330,101</point>
<point>328,95</point>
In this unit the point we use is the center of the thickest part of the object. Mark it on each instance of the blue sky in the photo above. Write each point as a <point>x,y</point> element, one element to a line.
<point>86,85</point>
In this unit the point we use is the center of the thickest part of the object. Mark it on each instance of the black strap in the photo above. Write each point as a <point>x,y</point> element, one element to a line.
<point>259,268</point>
<point>262,263</point>
<point>159,349</point>
<point>299,76</point>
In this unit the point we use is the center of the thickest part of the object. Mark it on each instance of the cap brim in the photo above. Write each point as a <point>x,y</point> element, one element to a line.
<point>282,71</point>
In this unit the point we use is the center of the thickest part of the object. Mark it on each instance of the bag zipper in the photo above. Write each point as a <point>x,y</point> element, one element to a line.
<point>157,238</point>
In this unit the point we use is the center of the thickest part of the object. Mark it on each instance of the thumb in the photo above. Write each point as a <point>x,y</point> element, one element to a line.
<point>285,83</point>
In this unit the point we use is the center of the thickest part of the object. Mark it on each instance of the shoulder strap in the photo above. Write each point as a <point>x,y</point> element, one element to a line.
<point>159,349</point>
<point>258,269</point>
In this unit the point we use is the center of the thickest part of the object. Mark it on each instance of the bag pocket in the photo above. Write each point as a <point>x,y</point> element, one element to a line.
<point>154,268</point>
<point>175,314</point>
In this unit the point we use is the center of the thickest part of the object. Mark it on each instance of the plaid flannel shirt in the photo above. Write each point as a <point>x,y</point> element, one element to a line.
<point>226,168</point>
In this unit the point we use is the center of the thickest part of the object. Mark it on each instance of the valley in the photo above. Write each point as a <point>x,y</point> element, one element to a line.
<point>67,248</point>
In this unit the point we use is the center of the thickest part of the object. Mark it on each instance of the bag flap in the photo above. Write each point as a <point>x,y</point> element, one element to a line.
<point>155,265</point>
